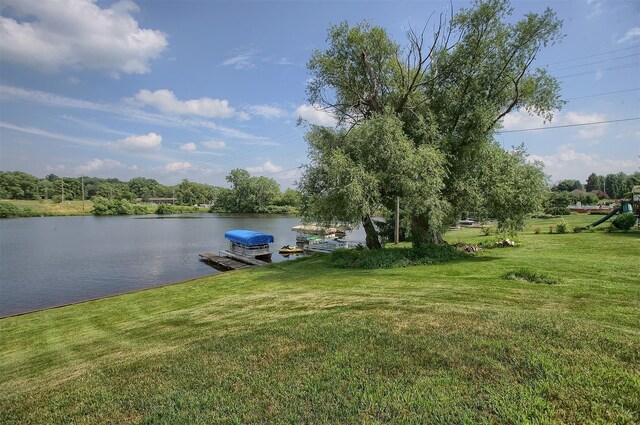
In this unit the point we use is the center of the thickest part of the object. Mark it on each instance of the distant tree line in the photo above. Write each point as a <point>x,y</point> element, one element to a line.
<point>113,196</point>
<point>613,186</point>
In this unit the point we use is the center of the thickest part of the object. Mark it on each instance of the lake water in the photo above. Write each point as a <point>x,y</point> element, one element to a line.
<point>51,261</point>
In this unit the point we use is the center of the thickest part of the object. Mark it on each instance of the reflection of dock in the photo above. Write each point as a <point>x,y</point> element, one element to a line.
<point>225,263</point>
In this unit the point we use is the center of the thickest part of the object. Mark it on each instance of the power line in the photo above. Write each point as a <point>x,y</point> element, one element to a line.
<point>596,62</point>
<point>567,125</point>
<point>611,68</point>
<point>592,56</point>
<point>603,94</point>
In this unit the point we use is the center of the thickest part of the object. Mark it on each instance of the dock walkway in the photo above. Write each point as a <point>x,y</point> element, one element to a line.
<point>223,262</point>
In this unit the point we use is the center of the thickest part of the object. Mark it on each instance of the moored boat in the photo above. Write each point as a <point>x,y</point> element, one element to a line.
<point>248,244</point>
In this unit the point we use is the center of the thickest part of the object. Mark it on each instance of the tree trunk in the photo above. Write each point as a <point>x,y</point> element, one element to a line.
<point>373,242</point>
<point>422,233</point>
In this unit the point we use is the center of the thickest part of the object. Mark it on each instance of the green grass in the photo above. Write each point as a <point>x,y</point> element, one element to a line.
<point>301,342</point>
<point>48,208</point>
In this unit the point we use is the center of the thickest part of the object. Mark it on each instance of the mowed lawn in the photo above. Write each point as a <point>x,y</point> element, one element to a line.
<point>300,342</point>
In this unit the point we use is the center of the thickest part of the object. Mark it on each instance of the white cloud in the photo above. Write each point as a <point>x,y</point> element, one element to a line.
<point>242,60</point>
<point>267,111</point>
<point>630,35</point>
<point>267,167</point>
<point>521,120</point>
<point>123,111</point>
<point>189,147</point>
<point>567,163</point>
<point>315,115</point>
<point>78,34</point>
<point>176,166</point>
<point>142,143</point>
<point>44,133</point>
<point>96,165</point>
<point>165,101</point>
<point>214,144</point>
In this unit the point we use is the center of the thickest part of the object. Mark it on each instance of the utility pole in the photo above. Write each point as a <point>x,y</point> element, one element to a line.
<point>397,233</point>
<point>82,182</point>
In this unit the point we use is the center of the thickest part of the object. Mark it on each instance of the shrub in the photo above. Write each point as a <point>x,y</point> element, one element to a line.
<point>140,210</point>
<point>531,276</point>
<point>625,221</point>
<point>486,230</point>
<point>165,209</point>
<point>578,229</point>
<point>561,227</point>
<point>9,210</point>
<point>537,230</point>
<point>393,257</point>
<point>557,211</point>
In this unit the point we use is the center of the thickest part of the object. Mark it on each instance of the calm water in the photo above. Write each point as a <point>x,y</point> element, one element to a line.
<point>57,260</point>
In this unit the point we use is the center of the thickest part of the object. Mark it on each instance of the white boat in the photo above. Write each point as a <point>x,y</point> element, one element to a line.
<point>330,245</point>
<point>308,232</point>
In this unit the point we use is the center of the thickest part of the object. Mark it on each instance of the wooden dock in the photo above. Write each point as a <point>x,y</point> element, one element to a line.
<point>224,263</point>
<point>243,259</point>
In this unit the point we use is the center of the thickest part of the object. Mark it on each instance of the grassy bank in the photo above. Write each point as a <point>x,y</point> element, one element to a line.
<point>304,342</point>
<point>49,208</point>
<point>69,208</point>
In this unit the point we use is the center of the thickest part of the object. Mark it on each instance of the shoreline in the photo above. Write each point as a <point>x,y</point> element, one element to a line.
<point>133,291</point>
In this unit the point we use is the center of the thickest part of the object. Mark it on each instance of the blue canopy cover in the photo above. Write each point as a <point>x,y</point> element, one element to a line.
<point>248,237</point>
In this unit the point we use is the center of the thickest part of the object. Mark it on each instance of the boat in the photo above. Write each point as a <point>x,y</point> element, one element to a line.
<point>308,232</point>
<point>288,249</point>
<point>331,245</point>
<point>248,246</point>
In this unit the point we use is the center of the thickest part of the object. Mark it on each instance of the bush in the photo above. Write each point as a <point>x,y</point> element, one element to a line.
<point>393,257</point>
<point>486,230</point>
<point>165,209</point>
<point>578,229</point>
<point>625,221</point>
<point>531,276</point>
<point>9,210</point>
<point>561,227</point>
<point>557,211</point>
<point>537,230</point>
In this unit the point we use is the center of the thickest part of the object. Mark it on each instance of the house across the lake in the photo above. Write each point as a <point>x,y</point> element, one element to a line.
<point>159,201</point>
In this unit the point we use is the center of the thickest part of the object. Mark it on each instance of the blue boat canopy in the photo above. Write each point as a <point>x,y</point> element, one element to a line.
<point>248,237</point>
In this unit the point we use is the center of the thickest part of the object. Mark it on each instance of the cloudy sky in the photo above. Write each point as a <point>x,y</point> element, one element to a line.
<point>192,89</point>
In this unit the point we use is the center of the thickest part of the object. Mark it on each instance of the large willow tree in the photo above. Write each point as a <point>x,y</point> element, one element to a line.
<point>418,122</point>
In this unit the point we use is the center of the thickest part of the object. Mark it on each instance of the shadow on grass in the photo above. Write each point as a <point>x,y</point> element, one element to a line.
<point>317,268</point>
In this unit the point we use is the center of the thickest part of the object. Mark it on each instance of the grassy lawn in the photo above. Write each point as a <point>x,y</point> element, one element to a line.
<point>301,342</point>
<point>49,208</point>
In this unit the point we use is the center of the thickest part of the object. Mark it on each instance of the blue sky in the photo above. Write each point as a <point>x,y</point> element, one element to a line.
<point>192,89</point>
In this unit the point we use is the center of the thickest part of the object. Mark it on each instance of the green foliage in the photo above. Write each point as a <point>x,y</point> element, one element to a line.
<point>567,186</point>
<point>561,226</point>
<point>625,221</point>
<point>104,206</point>
<point>247,194</point>
<point>423,130</point>
<point>578,229</point>
<point>531,276</point>
<point>9,210</point>
<point>555,211</point>
<point>394,257</point>
<point>18,185</point>
<point>166,209</point>
<point>191,193</point>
